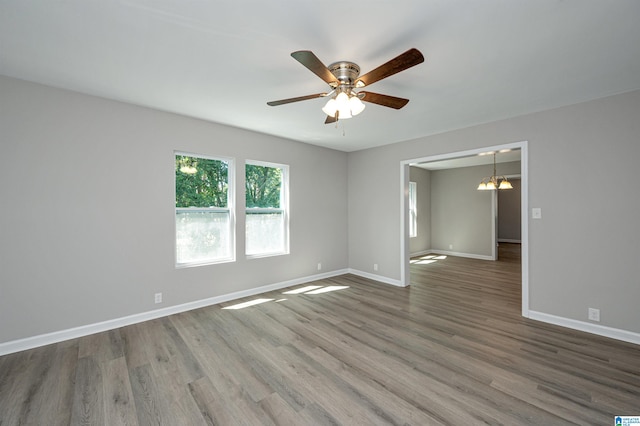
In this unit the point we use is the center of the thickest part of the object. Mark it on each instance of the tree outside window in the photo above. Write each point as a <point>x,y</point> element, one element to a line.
<point>266,197</point>
<point>204,219</point>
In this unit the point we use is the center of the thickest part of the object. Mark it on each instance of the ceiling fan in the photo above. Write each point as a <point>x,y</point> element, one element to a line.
<point>344,79</point>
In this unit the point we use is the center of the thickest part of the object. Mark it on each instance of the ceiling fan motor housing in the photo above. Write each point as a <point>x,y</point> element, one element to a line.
<point>345,72</point>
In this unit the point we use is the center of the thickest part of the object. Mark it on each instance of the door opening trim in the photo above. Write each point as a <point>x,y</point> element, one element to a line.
<point>524,199</point>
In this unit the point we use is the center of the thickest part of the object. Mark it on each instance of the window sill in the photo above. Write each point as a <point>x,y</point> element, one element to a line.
<point>260,256</point>
<point>203,263</point>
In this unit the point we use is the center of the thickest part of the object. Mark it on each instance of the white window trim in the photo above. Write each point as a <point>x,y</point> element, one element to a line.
<point>231,193</point>
<point>413,209</point>
<point>284,207</point>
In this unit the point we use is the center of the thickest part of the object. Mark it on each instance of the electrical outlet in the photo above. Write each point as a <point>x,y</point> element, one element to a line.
<point>594,314</point>
<point>375,266</point>
<point>450,246</point>
<point>319,266</point>
<point>158,298</point>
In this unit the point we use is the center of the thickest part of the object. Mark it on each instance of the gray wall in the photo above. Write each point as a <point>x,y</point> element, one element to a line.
<point>584,250</point>
<point>509,213</point>
<point>422,178</point>
<point>461,216</point>
<point>87,209</point>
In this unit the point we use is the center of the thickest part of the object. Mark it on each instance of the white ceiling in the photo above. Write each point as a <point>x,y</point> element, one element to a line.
<point>223,60</point>
<point>472,160</point>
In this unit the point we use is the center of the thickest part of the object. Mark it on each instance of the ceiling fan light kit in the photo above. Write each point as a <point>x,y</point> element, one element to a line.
<point>344,77</point>
<point>345,105</point>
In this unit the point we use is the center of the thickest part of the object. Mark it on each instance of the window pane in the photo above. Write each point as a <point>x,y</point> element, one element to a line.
<point>265,233</point>
<point>204,219</point>
<point>202,236</point>
<point>263,186</point>
<point>201,182</point>
<point>266,218</point>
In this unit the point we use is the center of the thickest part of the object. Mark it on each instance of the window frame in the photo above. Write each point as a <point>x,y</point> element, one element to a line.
<point>231,209</point>
<point>284,207</point>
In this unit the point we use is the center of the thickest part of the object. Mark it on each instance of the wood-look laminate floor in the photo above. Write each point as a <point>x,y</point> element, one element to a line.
<point>450,349</point>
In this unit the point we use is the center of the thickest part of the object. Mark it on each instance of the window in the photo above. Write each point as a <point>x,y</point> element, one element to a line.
<point>204,210</point>
<point>413,210</point>
<point>267,221</point>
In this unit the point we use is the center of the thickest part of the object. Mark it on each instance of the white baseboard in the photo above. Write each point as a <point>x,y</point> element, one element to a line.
<point>458,254</point>
<point>420,253</point>
<point>85,330</point>
<point>72,333</point>
<point>375,277</point>
<point>600,330</point>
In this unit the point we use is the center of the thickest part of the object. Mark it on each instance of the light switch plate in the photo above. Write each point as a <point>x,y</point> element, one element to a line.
<point>536,213</point>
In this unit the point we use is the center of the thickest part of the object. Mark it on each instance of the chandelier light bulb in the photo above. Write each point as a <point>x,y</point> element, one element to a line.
<point>505,184</point>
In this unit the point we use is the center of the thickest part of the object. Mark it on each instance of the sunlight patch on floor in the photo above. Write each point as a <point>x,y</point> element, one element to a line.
<point>327,289</point>
<point>422,261</point>
<point>310,289</point>
<point>302,289</point>
<point>425,260</point>
<point>247,304</point>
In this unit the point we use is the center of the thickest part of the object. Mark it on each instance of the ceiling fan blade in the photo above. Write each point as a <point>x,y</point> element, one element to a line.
<point>331,119</point>
<point>311,61</point>
<point>300,98</point>
<point>401,62</point>
<point>384,100</point>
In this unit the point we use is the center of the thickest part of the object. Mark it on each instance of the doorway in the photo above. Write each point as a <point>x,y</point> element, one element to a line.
<point>405,170</point>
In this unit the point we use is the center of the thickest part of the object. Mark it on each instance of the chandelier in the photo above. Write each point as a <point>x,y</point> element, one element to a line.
<point>494,182</point>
